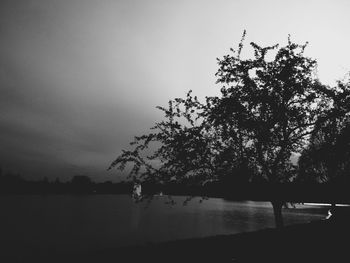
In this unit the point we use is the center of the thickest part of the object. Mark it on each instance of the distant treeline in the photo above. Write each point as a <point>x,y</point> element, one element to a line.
<point>291,192</point>
<point>82,184</point>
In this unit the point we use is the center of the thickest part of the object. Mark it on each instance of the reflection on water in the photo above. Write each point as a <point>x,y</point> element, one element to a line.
<point>68,222</point>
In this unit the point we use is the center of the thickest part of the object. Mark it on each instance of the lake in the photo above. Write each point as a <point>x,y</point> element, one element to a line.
<point>92,222</point>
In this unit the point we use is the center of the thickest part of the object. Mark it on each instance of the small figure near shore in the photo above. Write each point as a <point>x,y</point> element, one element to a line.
<point>329,215</point>
<point>136,192</point>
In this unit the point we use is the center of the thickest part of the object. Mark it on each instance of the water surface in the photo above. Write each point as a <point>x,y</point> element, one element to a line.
<point>81,222</point>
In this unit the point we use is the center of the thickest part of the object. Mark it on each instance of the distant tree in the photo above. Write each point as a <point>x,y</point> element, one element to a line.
<point>81,180</point>
<point>57,180</point>
<point>327,157</point>
<point>45,180</point>
<point>267,111</point>
<point>11,182</point>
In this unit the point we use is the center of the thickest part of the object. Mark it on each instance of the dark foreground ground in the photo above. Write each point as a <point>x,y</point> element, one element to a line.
<point>321,241</point>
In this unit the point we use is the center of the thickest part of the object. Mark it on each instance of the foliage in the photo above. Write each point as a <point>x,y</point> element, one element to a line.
<point>271,107</point>
<point>326,159</point>
<point>267,111</point>
<point>184,146</point>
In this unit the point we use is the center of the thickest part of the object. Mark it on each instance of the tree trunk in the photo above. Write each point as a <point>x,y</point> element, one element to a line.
<point>277,211</point>
<point>333,210</point>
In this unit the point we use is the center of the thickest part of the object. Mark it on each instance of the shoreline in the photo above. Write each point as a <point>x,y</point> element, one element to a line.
<point>317,241</point>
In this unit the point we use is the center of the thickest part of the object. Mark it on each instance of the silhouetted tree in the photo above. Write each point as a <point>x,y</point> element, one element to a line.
<point>271,106</point>
<point>11,182</point>
<point>267,111</point>
<point>81,183</point>
<point>184,146</point>
<point>327,157</point>
<point>81,180</point>
<point>57,180</point>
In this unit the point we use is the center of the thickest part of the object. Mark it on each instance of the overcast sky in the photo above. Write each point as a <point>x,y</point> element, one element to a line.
<point>80,78</point>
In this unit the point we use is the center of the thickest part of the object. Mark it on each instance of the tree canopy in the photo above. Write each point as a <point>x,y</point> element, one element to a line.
<point>272,106</point>
<point>326,158</point>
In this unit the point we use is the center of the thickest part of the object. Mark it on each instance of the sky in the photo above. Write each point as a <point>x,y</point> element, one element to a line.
<point>80,78</point>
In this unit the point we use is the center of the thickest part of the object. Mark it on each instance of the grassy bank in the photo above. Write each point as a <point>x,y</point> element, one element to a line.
<point>320,241</point>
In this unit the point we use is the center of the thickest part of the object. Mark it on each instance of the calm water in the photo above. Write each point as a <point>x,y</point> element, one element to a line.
<point>95,222</point>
